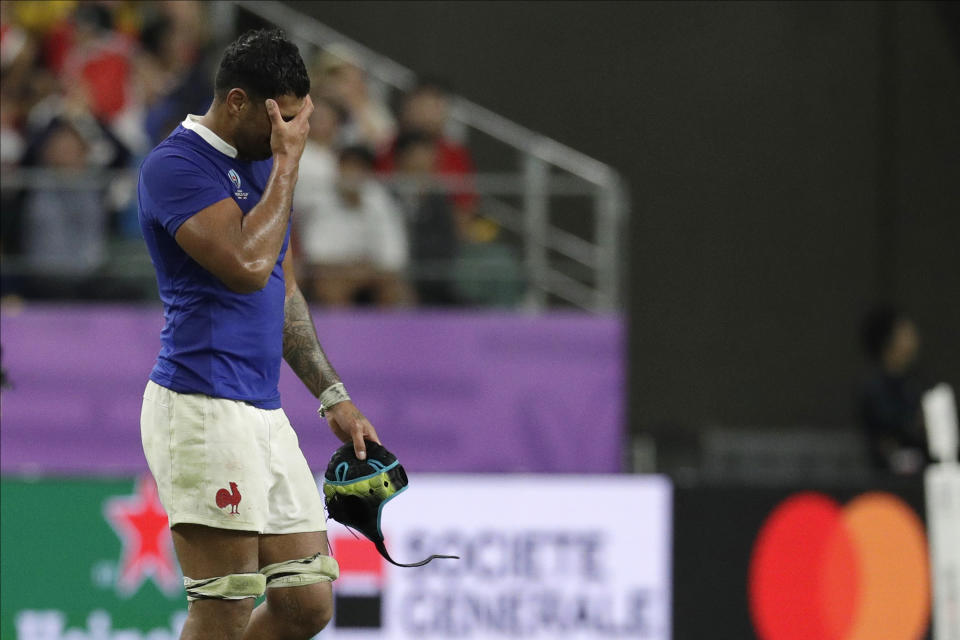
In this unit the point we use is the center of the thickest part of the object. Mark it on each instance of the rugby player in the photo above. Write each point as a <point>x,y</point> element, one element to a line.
<point>215,205</point>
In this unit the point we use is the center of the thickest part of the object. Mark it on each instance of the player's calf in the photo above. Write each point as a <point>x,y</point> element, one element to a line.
<point>299,599</point>
<point>300,613</point>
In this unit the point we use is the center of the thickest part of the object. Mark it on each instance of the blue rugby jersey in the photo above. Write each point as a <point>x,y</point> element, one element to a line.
<point>214,341</point>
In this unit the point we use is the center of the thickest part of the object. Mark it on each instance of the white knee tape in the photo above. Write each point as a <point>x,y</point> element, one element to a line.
<point>236,586</point>
<point>297,573</point>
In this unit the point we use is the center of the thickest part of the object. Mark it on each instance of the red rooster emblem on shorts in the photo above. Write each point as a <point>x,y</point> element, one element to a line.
<point>231,498</point>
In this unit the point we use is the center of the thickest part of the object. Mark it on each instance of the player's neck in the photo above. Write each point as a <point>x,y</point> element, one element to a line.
<point>216,120</point>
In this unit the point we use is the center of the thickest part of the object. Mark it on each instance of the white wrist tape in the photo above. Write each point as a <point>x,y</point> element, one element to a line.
<point>334,394</point>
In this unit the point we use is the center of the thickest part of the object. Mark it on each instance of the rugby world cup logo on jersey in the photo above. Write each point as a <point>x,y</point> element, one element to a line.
<point>235,179</point>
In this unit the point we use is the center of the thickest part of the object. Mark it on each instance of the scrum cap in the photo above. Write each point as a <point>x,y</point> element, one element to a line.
<point>356,491</point>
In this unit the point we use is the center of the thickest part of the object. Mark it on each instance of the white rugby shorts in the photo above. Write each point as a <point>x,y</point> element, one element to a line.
<point>227,464</point>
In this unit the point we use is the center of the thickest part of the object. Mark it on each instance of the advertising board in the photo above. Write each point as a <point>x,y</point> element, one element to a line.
<point>796,563</point>
<point>541,556</point>
<point>87,560</point>
<point>488,389</point>
<point>943,517</point>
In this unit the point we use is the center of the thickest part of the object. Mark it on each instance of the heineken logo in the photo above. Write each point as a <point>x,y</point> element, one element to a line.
<point>52,625</point>
<point>111,573</point>
<point>141,523</point>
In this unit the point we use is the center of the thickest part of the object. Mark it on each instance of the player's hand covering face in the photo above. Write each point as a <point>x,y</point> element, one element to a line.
<point>270,127</point>
<point>348,424</point>
<point>289,125</point>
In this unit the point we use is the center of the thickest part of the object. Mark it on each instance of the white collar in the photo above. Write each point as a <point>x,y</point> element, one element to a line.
<point>192,122</point>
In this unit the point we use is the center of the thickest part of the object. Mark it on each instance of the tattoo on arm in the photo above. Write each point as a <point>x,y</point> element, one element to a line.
<point>301,347</point>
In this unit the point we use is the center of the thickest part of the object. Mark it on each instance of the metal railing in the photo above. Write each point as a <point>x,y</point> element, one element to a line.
<point>548,248</point>
<point>126,262</point>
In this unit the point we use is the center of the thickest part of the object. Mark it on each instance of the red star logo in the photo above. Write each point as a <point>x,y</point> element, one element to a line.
<point>141,523</point>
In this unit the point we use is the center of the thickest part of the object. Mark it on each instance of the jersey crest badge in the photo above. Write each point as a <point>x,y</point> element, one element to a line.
<point>234,178</point>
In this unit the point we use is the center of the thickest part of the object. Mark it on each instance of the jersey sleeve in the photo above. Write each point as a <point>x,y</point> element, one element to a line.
<point>179,187</point>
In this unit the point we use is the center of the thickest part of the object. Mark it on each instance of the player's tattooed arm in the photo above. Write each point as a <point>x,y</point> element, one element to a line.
<point>301,347</point>
<point>302,351</point>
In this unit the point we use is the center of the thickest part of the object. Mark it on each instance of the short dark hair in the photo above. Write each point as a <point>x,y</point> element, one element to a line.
<point>409,139</point>
<point>335,105</point>
<point>877,328</point>
<point>96,16</point>
<point>264,64</point>
<point>361,153</point>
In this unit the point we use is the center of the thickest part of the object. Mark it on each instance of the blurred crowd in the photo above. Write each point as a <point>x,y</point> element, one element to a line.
<point>90,87</point>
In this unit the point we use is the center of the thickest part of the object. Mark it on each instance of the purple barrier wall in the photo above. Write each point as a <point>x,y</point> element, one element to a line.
<point>447,392</point>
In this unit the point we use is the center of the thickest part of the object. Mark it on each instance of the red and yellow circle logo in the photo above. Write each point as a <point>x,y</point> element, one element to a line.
<point>822,571</point>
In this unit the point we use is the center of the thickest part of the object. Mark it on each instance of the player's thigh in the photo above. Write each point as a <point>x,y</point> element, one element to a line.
<point>206,552</point>
<point>292,601</point>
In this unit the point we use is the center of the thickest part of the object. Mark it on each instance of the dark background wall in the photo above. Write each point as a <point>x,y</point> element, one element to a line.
<point>789,164</point>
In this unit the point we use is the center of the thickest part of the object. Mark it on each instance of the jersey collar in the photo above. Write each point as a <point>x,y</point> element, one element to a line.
<point>192,123</point>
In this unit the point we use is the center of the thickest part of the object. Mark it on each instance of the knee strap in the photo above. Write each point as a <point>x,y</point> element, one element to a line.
<point>297,573</point>
<point>236,586</point>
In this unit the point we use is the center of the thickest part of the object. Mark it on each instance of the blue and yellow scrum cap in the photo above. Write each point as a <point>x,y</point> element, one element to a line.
<point>355,492</point>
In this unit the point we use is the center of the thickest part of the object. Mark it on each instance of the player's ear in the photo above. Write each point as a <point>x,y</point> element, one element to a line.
<point>237,102</point>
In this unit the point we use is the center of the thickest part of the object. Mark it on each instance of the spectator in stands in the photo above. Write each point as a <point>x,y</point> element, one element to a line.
<point>318,165</point>
<point>426,109</point>
<point>25,81</point>
<point>434,241</point>
<point>339,74</point>
<point>65,228</point>
<point>98,64</point>
<point>172,72</point>
<point>104,148</point>
<point>84,58</point>
<point>318,172</point>
<point>889,400</point>
<point>12,147</point>
<point>12,143</point>
<point>17,50</point>
<point>64,134</point>
<point>172,77</point>
<point>352,239</point>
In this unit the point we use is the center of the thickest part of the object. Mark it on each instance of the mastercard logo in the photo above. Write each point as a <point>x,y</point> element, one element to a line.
<point>822,571</point>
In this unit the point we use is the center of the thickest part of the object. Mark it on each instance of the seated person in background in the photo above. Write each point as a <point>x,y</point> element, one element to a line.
<point>65,228</point>
<point>889,401</point>
<point>426,108</point>
<point>173,74</point>
<point>318,170</point>
<point>434,241</point>
<point>12,144</point>
<point>339,74</point>
<point>352,239</point>
<point>318,165</point>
